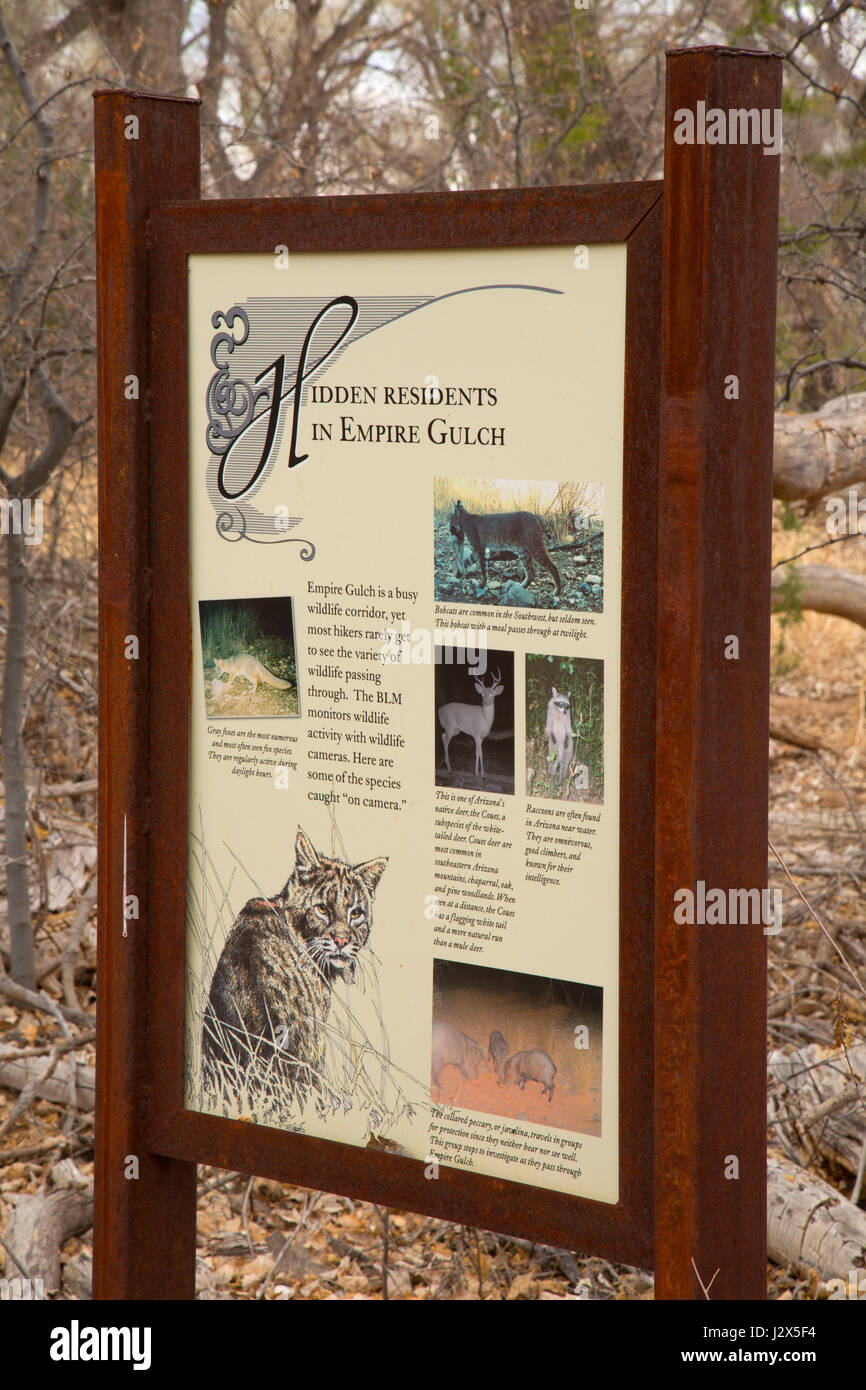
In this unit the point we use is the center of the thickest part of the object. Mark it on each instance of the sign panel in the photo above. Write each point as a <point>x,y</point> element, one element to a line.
<point>401,898</point>
<point>405,552</point>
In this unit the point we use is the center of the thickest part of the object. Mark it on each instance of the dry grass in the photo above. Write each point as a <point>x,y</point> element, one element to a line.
<point>555,503</point>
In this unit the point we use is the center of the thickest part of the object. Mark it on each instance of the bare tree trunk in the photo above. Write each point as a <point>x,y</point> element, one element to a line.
<point>17,867</point>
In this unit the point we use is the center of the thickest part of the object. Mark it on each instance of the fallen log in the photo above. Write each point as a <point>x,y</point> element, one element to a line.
<point>814,1108</point>
<point>784,735</point>
<point>821,451</point>
<point>16,1074</point>
<point>40,1225</point>
<point>811,1226</point>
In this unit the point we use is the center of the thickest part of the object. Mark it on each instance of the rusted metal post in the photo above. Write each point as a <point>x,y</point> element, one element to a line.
<point>147,149</point>
<point>718,329</point>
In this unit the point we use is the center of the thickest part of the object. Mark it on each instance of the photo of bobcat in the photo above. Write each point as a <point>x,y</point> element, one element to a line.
<point>248,658</point>
<point>519,544</point>
<point>267,1012</point>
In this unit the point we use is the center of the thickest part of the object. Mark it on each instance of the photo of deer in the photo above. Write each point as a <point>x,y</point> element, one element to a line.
<point>513,544</point>
<point>474,722</point>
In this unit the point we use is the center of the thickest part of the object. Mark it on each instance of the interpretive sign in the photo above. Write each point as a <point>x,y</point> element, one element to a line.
<point>406,672</point>
<point>395,913</point>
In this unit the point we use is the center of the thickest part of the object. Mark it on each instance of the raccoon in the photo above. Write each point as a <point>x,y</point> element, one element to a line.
<point>560,735</point>
<point>518,531</point>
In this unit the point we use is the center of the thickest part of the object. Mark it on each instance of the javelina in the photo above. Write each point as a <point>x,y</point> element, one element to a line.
<point>532,1066</point>
<point>451,1048</point>
<point>497,1052</point>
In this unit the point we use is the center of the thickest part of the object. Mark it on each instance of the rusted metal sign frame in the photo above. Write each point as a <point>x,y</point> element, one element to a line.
<point>566,217</point>
<point>144,1205</point>
<point>715,531</point>
<point>693,727</point>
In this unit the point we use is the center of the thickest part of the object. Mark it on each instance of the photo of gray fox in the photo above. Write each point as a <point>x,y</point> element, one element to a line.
<point>248,658</point>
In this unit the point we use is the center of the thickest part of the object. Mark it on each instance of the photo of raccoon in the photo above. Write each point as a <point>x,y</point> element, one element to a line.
<point>560,735</point>
<point>565,728</point>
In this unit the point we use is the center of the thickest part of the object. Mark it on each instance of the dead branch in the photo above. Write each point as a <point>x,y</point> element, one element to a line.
<point>70,1044</point>
<point>46,1145</point>
<point>69,957</point>
<point>814,1107</point>
<point>29,999</point>
<point>823,589</point>
<point>29,1074</point>
<point>35,1077</point>
<point>69,788</point>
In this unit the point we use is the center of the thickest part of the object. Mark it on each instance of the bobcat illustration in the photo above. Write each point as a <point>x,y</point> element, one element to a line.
<point>270,995</point>
<point>518,531</point>
<point>251,668</point>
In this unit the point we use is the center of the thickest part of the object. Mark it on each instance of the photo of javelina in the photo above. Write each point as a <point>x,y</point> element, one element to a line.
<point>531,1028</point>
<point>497,1051</point>
<point>451,1048</point>
<point>531,1066</point>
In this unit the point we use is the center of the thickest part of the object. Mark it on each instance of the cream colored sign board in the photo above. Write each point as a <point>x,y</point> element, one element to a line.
<point>405,555</point>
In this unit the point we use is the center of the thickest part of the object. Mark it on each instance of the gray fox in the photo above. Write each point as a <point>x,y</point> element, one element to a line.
<point>251,668</point>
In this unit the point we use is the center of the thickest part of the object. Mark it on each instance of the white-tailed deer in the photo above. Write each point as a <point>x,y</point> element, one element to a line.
<point>475,720</point>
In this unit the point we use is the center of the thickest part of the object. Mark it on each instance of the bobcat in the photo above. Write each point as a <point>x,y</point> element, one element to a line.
<point>271,991</point>
<point>518,531</point>
<point>253,670</point>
